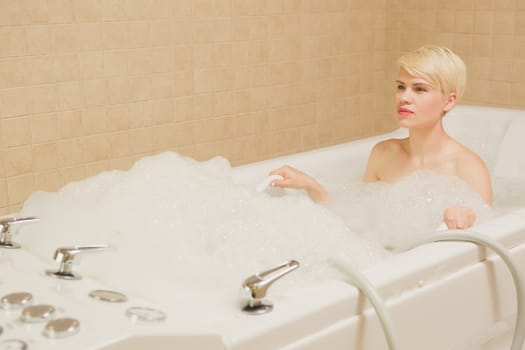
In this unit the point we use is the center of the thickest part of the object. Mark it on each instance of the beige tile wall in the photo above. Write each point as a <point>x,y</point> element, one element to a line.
<point>93,85</point>
<point>488,34</point>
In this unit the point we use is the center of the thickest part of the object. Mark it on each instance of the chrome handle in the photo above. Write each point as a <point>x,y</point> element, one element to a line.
<point>10,226</point>
<point>66,256</point>
<point>258,284</point>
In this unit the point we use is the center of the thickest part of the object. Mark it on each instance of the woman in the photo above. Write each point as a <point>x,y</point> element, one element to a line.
<point>431,81</point>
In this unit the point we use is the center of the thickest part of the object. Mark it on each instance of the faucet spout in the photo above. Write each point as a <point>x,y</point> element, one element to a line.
<point>257,285</point>
<point>67,255</point>
<point>10,226</point>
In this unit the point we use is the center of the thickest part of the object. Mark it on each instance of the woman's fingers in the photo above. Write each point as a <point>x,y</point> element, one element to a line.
<point>459,217</point>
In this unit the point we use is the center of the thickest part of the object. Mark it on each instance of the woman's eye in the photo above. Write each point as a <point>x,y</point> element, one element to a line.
<point>400,87</point>
<point>420,89</point>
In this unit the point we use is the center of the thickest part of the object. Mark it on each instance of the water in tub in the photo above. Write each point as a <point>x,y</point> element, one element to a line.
<point>183,228</point>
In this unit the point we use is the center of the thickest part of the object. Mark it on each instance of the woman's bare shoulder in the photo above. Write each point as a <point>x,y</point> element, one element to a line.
<point>465,157</point>
<point>472,168</point>
<point>390,145</point>
<point>382,157</point>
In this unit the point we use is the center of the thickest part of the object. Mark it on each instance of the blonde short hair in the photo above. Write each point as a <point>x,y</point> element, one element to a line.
<point>439,66</point>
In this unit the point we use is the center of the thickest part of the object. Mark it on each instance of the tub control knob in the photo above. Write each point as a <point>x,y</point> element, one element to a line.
<point>109,296</point>
<point>16,300</point>
<point>62,328</point>
<point>67,255</point>
<point>10,226</point>
<point>37,313</point>
<point>145,314</point>
<point>13,344</point>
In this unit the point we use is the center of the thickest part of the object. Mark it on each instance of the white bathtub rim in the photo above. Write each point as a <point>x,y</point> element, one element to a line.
<point>500,228</point>
<point>298,159</point>
<point>240,173</point>
<point>393,278</point>
<point>386,276</point>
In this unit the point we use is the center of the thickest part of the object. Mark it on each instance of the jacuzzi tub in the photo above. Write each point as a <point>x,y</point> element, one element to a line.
<point>440,296</point>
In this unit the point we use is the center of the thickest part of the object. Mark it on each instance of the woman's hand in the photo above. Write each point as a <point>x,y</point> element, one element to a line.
<point>293,178</point>
<point>459,217</point>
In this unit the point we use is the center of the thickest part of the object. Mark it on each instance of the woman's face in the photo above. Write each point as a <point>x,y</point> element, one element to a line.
<point>418,102</point>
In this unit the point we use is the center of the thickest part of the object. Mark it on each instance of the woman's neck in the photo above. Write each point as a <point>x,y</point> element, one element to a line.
<point>426,144</point>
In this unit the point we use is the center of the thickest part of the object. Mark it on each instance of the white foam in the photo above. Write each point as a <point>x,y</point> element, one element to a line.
<point>396,214</point>
<point>177,222</point>
<point>263,185</point>
<point>183,225</point>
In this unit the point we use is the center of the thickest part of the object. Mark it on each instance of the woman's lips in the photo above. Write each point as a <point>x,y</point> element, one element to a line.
<point>404,111</point>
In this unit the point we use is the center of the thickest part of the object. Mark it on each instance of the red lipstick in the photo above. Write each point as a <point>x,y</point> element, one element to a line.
<point>404,111</point>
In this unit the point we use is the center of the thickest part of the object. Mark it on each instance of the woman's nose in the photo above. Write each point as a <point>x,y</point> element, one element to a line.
<point>405,95</point>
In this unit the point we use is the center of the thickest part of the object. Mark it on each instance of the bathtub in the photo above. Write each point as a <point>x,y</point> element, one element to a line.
<point>439,296</point>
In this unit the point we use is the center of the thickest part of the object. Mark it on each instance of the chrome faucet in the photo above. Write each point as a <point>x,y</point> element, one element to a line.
<point>10,226</point>
<point>66,256</point>
<point>258,284</point>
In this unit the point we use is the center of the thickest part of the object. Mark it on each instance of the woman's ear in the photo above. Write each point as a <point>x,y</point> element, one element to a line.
<point>450,102</point>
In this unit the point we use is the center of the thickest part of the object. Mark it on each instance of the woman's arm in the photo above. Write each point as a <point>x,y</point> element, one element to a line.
<point>372,165</point>
<point>293,178</point>
<point>473,170</point>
